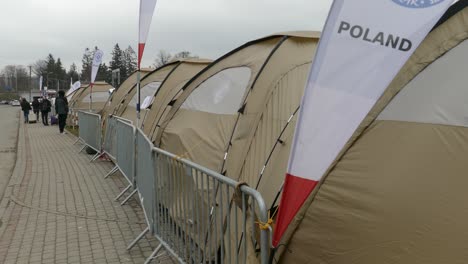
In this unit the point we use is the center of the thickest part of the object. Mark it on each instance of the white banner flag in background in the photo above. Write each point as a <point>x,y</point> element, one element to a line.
<point>363,46</point>
<point>96,63</point>
<point>146,14</point>
<point>40,83</point>
<point>74,87</point>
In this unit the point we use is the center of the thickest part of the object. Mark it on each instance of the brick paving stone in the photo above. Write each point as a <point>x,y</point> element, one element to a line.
<point>58,207</point>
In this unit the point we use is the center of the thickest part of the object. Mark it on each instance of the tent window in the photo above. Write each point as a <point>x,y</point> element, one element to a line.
<point>98,97</point>
<point>148,90</point>
<point>437,95</point>
<point>222,93</point>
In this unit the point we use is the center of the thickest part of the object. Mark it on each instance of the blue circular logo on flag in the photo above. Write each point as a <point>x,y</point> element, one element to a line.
<point>418,3</point>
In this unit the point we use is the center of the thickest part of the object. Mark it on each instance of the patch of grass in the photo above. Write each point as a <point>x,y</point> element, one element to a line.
<point>72,130</point>
<point>9,96</point>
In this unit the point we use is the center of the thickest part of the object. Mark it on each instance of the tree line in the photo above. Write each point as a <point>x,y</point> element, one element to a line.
<point>122,64</point>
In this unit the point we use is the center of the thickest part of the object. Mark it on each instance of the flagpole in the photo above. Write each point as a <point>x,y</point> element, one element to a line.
<point>91,97</point>
<point>139,98</point>
<point>145,15</point>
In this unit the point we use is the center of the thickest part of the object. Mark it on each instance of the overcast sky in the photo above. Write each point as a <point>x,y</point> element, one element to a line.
<point>31,29</point>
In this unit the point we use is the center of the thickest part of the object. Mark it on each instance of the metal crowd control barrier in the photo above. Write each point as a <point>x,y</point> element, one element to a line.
<point>72,120</point>
<point>144,178</point>
<point>201,216</point>
<point>125,154</point>
<point>110,145</point>
<point>90,131</point>
<point>198,215</point>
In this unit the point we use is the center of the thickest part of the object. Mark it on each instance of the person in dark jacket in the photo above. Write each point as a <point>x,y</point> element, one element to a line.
<point>45,109</point>
<point>61,108</point>
<point>25,107</point>
<point>35,106</point>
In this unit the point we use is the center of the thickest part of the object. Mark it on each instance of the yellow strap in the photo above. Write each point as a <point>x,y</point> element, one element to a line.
<point>265,226</point>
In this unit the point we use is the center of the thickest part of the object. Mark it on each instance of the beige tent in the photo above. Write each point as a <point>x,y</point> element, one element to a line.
<point>397,192</point>
<point>158,84</point>
<point>72,96</point>
<point>231,116</point>
<point>72,118</point>
<point>120,93</point>
<point>218,109</point>
<point>100,95</point>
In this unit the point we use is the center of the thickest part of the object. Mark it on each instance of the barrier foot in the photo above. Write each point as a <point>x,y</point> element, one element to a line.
<point>153,255</point>
<point>114,170</point>
<point>128,198</point>
<point>97,156</point>
<point>82,148</point>
<point>78,140</point>
<point>122,193</point>
<point>140,236</point>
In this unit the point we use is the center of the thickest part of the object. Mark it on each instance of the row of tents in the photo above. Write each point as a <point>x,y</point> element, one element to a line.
<point>396,192</point>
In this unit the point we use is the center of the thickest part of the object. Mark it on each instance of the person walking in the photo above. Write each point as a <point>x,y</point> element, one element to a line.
<point>45,109</point>
<point>25,107</point>
<point>61,108</point>
<point>35,106</point>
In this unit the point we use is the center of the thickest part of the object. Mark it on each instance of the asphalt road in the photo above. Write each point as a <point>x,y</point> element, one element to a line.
<point>9,118</point>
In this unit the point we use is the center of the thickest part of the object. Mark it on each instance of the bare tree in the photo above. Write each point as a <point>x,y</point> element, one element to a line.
<point>15,77</point>
<point>39,67</point>
<point>184,55</point>
<point>163,57</point>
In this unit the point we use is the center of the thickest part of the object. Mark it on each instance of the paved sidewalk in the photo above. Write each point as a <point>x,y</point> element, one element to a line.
<point>58,208</point>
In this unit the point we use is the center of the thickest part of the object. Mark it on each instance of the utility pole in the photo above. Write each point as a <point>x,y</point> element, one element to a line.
<point>30,84</point>
<point>16,81</point>
<point>116,78</point>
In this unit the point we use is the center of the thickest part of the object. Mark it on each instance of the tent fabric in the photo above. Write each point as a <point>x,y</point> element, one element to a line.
<point>424,101</point>
<point>158,85</point>
<point>157,75</point>
<point>251,56</point>
<point>255,55</point>
<point>148,90</point>
<point>269,106</point>
<point>220,94</point>
<point>395,194</point>
<point>122,90</point>
<point>385,203</point>
<point>73,95</point>
<point>169,91</point>
<point>72,117</point>
<point>82,99</point>
<point>300,34</point>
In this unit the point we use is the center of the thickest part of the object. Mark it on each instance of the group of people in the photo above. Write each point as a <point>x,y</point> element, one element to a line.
<point>44,106</point>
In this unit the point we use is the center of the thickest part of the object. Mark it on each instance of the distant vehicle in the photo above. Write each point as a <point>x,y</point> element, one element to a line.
<point>15,103</point>
<point>3,102</point>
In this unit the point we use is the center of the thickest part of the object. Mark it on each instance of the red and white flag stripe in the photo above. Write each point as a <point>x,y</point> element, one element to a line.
<point>146,14</point>
<point>358,56</point>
